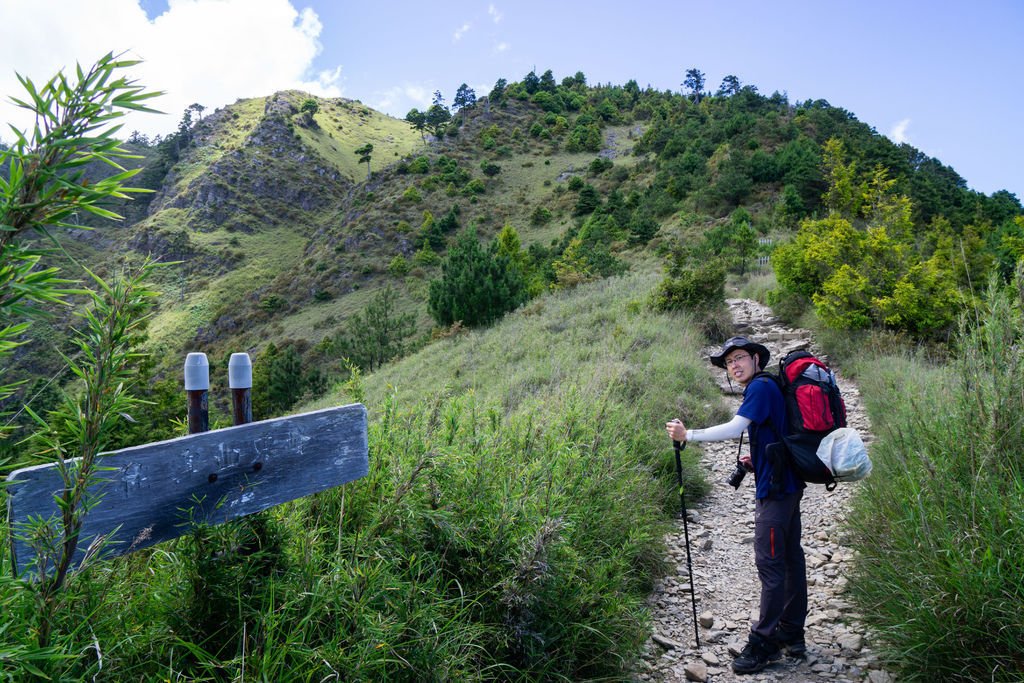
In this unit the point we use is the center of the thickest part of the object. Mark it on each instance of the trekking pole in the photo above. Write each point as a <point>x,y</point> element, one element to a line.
<point>686,534</point>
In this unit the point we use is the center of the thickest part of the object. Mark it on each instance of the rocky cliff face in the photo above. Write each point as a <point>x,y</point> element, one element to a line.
<point>269,179</point>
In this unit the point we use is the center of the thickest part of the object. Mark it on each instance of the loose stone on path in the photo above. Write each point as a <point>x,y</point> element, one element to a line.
<point>727,589</point>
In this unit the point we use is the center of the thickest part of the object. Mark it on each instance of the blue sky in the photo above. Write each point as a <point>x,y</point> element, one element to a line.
<point>942,76</point>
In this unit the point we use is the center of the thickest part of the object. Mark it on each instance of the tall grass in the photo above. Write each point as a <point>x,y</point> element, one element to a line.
<point>939,526</point>
<point>510,527</point>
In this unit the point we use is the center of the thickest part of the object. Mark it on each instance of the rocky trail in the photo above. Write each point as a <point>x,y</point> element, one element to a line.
<point>721,529</point>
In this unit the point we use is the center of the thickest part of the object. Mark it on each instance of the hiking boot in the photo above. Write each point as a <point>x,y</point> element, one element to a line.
<point>791,642</point>
<point>758,654</point>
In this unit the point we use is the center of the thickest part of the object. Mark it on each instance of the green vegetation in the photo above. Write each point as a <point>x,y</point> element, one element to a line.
<point>344,127</point>
<point>477,285</point>
<point>493,539</point>
<point>868,265</point>
<point>511,524</point>
<point>81,428</point>
<point>938,526</point>
<point>365,154</point>
<point>377,334</point>
<point>45,185</point>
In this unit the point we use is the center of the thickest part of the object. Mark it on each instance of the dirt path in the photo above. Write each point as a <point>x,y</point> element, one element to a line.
<point>721,540</point>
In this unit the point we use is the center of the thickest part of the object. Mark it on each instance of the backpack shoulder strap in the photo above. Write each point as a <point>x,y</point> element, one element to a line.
<point>768,376</point>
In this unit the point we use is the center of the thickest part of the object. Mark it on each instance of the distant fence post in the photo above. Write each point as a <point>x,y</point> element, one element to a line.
<point>197,388</point>
<point>240,382</point>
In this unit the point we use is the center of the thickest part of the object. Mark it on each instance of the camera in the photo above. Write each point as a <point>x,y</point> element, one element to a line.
<point>736,478</point>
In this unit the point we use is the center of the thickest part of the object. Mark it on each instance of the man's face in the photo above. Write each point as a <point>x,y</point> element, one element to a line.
<point>741,365</point>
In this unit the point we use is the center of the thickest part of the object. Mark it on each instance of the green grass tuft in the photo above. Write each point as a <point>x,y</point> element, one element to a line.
<point>939,526</point>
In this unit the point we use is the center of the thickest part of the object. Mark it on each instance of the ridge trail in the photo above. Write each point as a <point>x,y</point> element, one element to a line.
<point>721,544</point>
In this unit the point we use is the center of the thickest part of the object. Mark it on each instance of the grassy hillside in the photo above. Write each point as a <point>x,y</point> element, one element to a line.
<point>510,527</point>
<point>284,240</point>
<point>341,126</point>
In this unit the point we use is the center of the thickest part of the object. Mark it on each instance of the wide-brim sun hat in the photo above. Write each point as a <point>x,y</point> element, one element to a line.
<point>742,343</point>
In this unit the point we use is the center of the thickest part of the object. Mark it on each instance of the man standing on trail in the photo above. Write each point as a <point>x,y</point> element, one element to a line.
<point>777,551</point>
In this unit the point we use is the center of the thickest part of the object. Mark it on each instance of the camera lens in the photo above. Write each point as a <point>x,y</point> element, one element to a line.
<point>736,478</point>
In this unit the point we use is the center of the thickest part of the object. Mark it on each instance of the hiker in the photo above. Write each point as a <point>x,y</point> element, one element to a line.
<point>777,551</point>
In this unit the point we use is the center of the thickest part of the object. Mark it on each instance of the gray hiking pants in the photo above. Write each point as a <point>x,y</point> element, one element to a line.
<point>780,565</point>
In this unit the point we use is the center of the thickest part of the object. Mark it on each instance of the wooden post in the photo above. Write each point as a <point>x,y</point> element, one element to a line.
<point>197,388</point>
<point>240,381</point>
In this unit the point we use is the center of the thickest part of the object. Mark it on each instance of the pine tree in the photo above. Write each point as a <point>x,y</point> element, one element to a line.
<point>478,285</point>
<point>365,154</point>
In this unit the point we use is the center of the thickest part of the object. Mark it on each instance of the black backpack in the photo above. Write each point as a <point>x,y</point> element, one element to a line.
<point>814,409</point>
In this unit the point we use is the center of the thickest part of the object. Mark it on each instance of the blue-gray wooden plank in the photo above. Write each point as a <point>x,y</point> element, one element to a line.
<point>148,494</point>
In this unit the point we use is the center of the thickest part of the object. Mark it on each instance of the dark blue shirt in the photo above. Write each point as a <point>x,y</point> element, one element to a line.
<point>765,407</point>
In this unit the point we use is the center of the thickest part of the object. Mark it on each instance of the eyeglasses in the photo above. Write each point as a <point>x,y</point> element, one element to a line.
<point>734,360</point>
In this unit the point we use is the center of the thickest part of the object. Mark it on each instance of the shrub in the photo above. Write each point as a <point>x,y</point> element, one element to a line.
<point>540,216</point>
<point>399,266</point>
<point>426,257</point>
<point>858,279</point>
<point>450,220</point>
<point>478,285</point>
<point>937,527</point>
<point>588,201</point>
<point>642,227</point>
<point>271,303</point>
<point>420,164</point>
<point>585,137</point>
<point>588,254</point>
<point>412,195</point>
<point>576,183</point>
<point>698,288</point>
<point>599,165</point>
<point>548,102</point>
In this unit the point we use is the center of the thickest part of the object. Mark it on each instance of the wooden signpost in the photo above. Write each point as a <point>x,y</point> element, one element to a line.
<point>152,493</point>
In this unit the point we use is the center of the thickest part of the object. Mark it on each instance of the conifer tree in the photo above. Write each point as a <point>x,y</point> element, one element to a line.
<point>694,82</point>
<point>465,98</point>
<point>438,116</point>
<point>365,153</point>
<point>478,285</point>
<point>376,334</point>
<point>418,120</point>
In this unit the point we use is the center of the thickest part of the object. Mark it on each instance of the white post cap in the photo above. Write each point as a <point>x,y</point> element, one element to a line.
<point>240,371</point>
<point>197,372</point>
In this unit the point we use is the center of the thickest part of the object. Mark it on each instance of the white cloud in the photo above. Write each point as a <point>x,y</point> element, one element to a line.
<point>208,51</point>
<point>398,100</point>
<point>495,14</point>
<point>898,133</point>
<point>501,47</point>
<point>461,31</point>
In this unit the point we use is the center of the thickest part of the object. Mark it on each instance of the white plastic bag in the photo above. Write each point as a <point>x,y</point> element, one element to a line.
<point>844,453</point>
